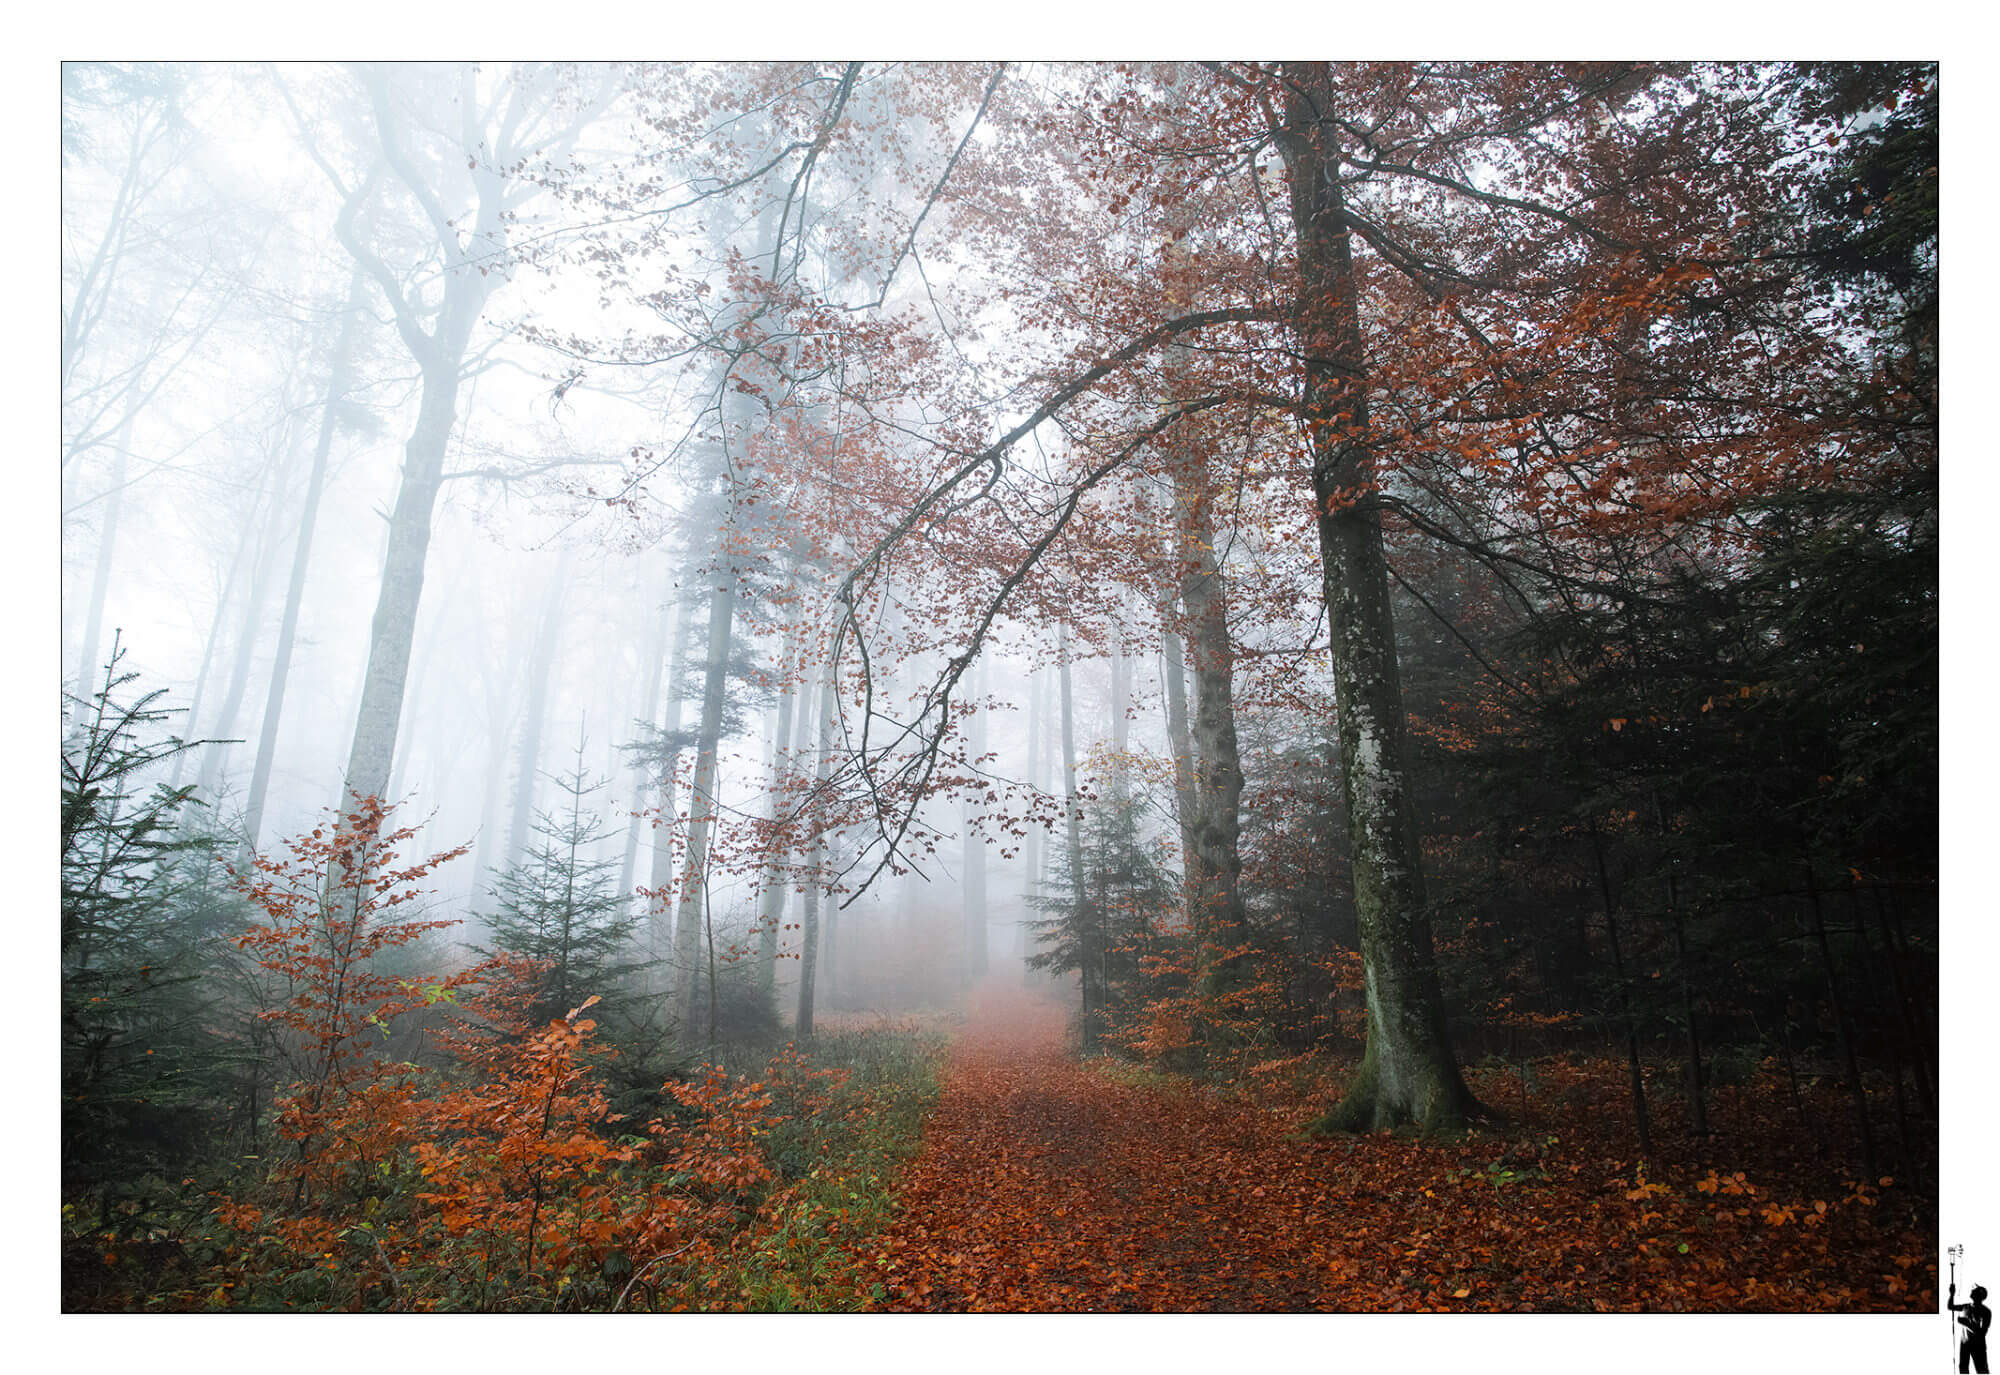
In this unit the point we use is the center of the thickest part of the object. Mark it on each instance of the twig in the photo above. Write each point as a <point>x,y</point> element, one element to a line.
<point>640,1272</point>
<point>395,1285</point>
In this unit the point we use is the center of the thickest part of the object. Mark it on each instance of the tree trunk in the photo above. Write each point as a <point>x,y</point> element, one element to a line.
<point>1216,887</point>
<point>773,880</point>
<point>394,625</point>
<point>816,850</point>
<point>1857,1091</point>
<point>337,382</point>
<point>413,701</point>
<point>208,783</point>
<point>1408,1073</point>
<point>655,670</point>
<point>975,845</point>
<point>209,645</point>
<point>1919,1051</point>
<point>498,688</point>
<point>489,811</point>
<point>1032,851</point>
<point>1072,824</point>
<point>701,801</point>
<point>87,668</point>
<point>659,924</point>
<point>541,662</point>
<point>1696,1080</point>
<point>1208,771</point>
<point>829,930</point>
<point>1173,686</point>
<point>1121,699</point>
<point>1642,1120</point>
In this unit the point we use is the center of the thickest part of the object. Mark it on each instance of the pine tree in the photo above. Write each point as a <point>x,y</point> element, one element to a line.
<point>560,905</point>
<point>142,1066</point>
<point>1103,932</point>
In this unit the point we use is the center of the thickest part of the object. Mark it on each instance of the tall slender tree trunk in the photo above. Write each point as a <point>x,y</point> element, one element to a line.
<point>816,854</point>
<point>499,694</point>
<point>1696,1079</point>
<point>205,673</point>
<point>394,625</point>
<point>392,631</point>
<point>773,881</point>
<point>1187,797</point>
<point>1857,1091</point>
<point>1217,870</point>
<point>660,910</point>
<point>1073,834</point>
<point>655,670</point>
<point>1919,1051</point>
<point>339,378</point>
<point>1642,1119</point>
<point>489,810</point>
<point>975,845</point>
<point>87,668</point>
<point>701,802</point>
<point>1207,768</point>
<point>413,703</point>
<point>1408,1073</point>
<point>541,664</point>
<point>244,653</point>
<point>1121,698</point>
<point>1032,851</point>
<point>725,574</point>
<point>830,949</point>
<point>474,248</point>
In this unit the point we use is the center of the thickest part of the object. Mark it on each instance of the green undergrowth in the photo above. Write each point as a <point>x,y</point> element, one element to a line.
<point>841,1125</point>
<point>842,1163</point>
<point>1135,1074</point>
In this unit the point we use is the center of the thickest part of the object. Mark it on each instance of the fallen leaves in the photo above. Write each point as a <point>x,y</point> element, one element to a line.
<point>1046,1184</point>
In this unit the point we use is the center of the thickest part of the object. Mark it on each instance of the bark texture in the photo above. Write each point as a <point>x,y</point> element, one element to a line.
<point>1408,1073</point>
<point>1173,679</point>
<point>1215,887</point>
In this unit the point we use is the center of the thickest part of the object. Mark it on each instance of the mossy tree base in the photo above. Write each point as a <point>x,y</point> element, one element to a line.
<point>1430,1098</point>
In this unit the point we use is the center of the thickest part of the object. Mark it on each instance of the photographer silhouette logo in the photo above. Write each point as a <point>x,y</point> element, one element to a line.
<point>1970,1320</point>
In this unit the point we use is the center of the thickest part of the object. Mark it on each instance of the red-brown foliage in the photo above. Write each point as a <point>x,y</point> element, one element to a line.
<point>1046,1184</point>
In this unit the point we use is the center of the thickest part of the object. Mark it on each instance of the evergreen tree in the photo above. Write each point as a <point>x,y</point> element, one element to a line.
<point>561,906</point>
<point>1103,932</point>
<point>142,1066</point>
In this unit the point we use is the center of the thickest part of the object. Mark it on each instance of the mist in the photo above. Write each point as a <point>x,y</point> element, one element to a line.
<point>675,676</point>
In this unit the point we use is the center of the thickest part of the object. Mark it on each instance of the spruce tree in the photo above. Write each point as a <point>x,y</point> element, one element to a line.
<point>142,1066</point>
<point>1103,932</point>
<point>560,905</point>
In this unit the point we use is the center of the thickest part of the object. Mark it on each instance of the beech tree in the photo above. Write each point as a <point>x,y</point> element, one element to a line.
<point>1474,190</point>
<point>1477,520</point>
<point>521,120</point>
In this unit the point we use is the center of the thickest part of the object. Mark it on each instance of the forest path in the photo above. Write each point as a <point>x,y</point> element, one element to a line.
<point>1044,1185</point>
<point>1048,1185</point>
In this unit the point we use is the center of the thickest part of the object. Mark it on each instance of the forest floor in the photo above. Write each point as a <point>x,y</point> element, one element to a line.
<point>1049,1183</point>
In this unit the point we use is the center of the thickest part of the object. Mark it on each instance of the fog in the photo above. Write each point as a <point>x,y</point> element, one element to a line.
<point>289,289</point>
<point>1157,686</point>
